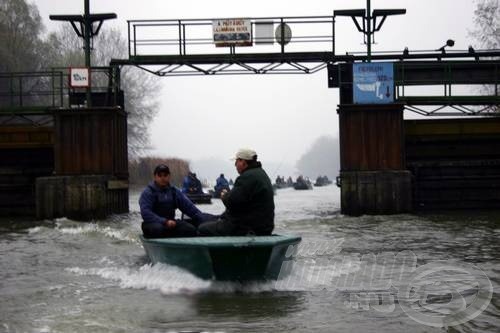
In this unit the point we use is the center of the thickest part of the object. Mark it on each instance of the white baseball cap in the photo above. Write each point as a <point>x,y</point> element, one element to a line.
<point>245,154</point>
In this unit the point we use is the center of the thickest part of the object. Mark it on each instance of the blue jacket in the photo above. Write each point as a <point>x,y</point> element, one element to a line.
<point>221,182</point>
<point>159,204</point>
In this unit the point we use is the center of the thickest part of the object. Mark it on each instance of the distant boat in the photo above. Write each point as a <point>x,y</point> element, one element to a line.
<point>200,198</point>
<point>302,184</point>
<point>230,258</point>
<point>322,181</point>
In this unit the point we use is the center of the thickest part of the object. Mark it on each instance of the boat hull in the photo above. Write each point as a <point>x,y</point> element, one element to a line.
<point>302,186</point>
<point>200,198</point>
<point>229,258</point>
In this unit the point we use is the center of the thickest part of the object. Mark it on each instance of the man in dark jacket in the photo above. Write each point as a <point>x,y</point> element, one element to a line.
<point>249,205</point>
<point>191,184</point>
<point>158,203</point>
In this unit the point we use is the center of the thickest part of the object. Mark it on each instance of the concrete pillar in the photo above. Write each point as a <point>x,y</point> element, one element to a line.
<point>90,166</point>
<point>81,198</point>
<point>376,192</point>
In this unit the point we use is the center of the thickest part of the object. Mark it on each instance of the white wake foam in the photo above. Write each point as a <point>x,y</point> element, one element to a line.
<point>173,280</point>
<point>94,228</point>
<point>167,279</point>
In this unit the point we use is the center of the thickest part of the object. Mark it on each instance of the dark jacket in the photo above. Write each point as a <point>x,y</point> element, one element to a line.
<point>250,204</point>
<point>191,185</point>
<point>158,204</point>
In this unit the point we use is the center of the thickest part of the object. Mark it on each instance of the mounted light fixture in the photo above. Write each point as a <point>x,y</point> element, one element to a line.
<point>449,42</point>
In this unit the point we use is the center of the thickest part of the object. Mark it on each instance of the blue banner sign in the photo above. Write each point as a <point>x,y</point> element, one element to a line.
<point>373,83</point>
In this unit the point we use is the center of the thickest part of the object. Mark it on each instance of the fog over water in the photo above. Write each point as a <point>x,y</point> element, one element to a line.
<point>280,116</point>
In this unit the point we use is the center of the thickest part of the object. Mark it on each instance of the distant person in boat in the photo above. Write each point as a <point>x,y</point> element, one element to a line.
<point>221,184</point>
<point>280,181</point>
<point>191,184</point>
<point>249,204</point>
<point>158,203</point>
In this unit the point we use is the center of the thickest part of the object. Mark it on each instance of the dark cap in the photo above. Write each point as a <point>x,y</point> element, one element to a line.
<point>162,168</point>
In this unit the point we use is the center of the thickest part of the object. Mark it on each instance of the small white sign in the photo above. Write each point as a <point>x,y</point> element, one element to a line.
<point>232,32</point>
<point>79,77</point>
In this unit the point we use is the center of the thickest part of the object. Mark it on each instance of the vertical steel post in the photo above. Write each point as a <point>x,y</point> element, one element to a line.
<point>20,90</point>
<point>11,89</point>
<point>86,37</point>
<point>53,92</point>
<point>180,36</point>
<point>368,31</point>
<point>61,89</point>
<point>135,40</point>
<point>128,32</point>
<point>184,39</point>
<point>333,35</point>
<point>496,81</point>
<point>282,25</point>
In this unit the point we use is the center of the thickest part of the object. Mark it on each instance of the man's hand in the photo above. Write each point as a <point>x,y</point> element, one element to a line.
<point>223,193</point>
<point>170,224</point>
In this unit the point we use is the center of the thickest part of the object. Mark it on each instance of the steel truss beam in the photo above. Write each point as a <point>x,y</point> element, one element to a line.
<point>187,48</point>
<point>27,118</point>
<point>235,68</point>
<point>454,110</point>
<point>277,63</point>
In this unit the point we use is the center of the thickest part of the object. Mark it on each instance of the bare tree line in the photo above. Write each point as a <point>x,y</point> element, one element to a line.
<point>26,48</point>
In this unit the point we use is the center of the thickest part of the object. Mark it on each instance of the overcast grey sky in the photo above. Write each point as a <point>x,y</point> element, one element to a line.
<point>279,116</point>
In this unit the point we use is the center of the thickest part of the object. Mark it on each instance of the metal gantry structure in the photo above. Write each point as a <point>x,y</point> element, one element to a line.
<point>186,47</point>
<point>293,45</point>
<point>31,97</point>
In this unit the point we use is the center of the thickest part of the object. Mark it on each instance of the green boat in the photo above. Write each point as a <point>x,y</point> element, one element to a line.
<point>230,258</point>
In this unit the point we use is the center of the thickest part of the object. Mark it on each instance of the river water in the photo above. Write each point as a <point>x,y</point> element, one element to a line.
<point>429,273</point>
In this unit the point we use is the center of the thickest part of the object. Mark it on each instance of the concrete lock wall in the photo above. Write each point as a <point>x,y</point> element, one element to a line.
<point>90,166</point>
<point>455,163</point>
<point>26,152</point>
<point>374,179</point>
<point>80,198</point>
<point>376,192</point>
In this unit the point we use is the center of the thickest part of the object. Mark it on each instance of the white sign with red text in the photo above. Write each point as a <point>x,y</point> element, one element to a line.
<point>79,77</point>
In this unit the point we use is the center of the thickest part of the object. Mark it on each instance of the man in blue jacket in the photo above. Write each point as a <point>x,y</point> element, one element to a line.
<point>249,205</point>
<point>221,184</point>
<point>158,203</point>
